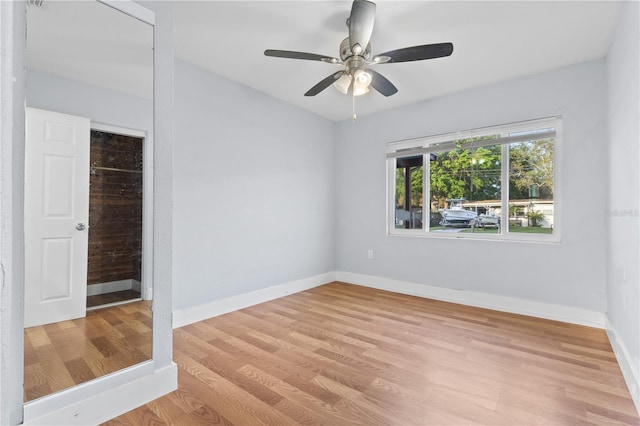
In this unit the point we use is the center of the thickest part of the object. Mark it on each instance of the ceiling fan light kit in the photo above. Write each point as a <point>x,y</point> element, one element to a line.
<point>359,89</point>
<point>343,83</point>
<point>361,82</point>
<point>356,59</point>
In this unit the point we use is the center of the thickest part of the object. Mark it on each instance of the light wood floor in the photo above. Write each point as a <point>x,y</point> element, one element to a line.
<point>341,354</point>
<point>63,354</point>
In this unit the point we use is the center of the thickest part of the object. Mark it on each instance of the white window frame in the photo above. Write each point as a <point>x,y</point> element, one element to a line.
<point>426,145</point>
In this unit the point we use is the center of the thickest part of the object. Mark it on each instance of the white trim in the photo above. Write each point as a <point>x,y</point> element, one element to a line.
<point>112,286</point>
<point>147,218</point>
<point>98,401</point>
<point>118,130</point>
<point>182,317</point>
<point>627,365</point>
<point>453,144</point>
<point>12,126</point>
<point>514,305</point>
<point>425,141</point>
<point>482,300</point>
<point>110,305</point>
<point>132,9</point>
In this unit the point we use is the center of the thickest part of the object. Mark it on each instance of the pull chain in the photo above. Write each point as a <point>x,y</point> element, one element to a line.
<point>354,117</point>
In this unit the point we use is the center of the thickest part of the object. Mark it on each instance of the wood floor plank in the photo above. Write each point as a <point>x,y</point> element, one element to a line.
<point>294,394</point>
<point>231,374</point>
<point>300,414</point>
<point>239,406</point>
<point>341,354</point>
<point>186,407</point>
<point>170,413</point>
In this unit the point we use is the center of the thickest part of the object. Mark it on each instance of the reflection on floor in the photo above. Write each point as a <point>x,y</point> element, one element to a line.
<point>60,355</point>
<point>115,297</point>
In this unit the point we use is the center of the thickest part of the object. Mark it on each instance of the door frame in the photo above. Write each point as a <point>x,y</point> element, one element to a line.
<point>147,200</point>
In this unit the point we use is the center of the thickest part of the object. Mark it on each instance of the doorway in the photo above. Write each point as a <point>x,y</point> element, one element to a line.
<point>114,264</point>
<point>88,213</point>
<point>84,235</point>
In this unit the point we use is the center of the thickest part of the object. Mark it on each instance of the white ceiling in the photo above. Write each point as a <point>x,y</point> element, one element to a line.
<point>493,41</point>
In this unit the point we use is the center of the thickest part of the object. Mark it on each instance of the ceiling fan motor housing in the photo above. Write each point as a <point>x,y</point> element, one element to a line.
<point>346,53</point>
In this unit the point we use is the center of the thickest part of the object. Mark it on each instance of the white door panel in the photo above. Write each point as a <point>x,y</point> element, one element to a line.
<point>56,201</point>
<point>58,186</point>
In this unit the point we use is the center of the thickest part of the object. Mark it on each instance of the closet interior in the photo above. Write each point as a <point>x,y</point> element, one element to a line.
<point>114,272</point>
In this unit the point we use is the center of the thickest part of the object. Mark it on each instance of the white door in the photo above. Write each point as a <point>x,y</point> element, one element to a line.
<point>56,216</point>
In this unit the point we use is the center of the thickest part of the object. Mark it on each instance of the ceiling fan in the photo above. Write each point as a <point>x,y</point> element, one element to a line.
<point>355,56</point>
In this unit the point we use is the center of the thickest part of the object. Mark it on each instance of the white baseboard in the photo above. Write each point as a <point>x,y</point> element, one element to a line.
<point>147,294</point>
<point>482,300</point>
<point>96,402</point>
<point>514,305</point>
<point>193,314</point>
<point>113,286</point>
<point>627,365</point>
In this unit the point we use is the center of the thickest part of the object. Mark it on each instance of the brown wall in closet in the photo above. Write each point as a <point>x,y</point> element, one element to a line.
<point>115,208</point>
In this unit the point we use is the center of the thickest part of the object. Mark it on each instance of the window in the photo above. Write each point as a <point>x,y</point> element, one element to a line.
<point>496,182</point>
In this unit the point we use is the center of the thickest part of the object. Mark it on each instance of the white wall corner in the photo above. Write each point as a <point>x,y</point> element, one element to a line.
<point>629,367</point>
<point>481,300</point>
<point>182,317</point>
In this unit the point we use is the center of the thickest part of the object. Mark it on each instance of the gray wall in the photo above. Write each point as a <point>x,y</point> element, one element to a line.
<point>623,259</point>
<point>253,180</point>
<point>571,273</point>
<point>253,184</point>
<point>54,93</point>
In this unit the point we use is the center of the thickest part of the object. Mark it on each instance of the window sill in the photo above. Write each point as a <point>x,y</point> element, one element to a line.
<point>512,237</point>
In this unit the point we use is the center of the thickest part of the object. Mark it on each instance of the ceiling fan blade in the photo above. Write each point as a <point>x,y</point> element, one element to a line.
<point>324,84</point>
<point>300,55</point>
<point>415,53</point>
<point>381,83</point>
<point>361,20</point>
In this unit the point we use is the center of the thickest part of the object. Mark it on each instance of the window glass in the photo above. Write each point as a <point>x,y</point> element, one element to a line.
<point>409,190</point>
<point>531,186</point>
<point>465,187</point>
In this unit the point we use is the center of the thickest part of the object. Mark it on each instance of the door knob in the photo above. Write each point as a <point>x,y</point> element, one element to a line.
<point>81,227</point>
